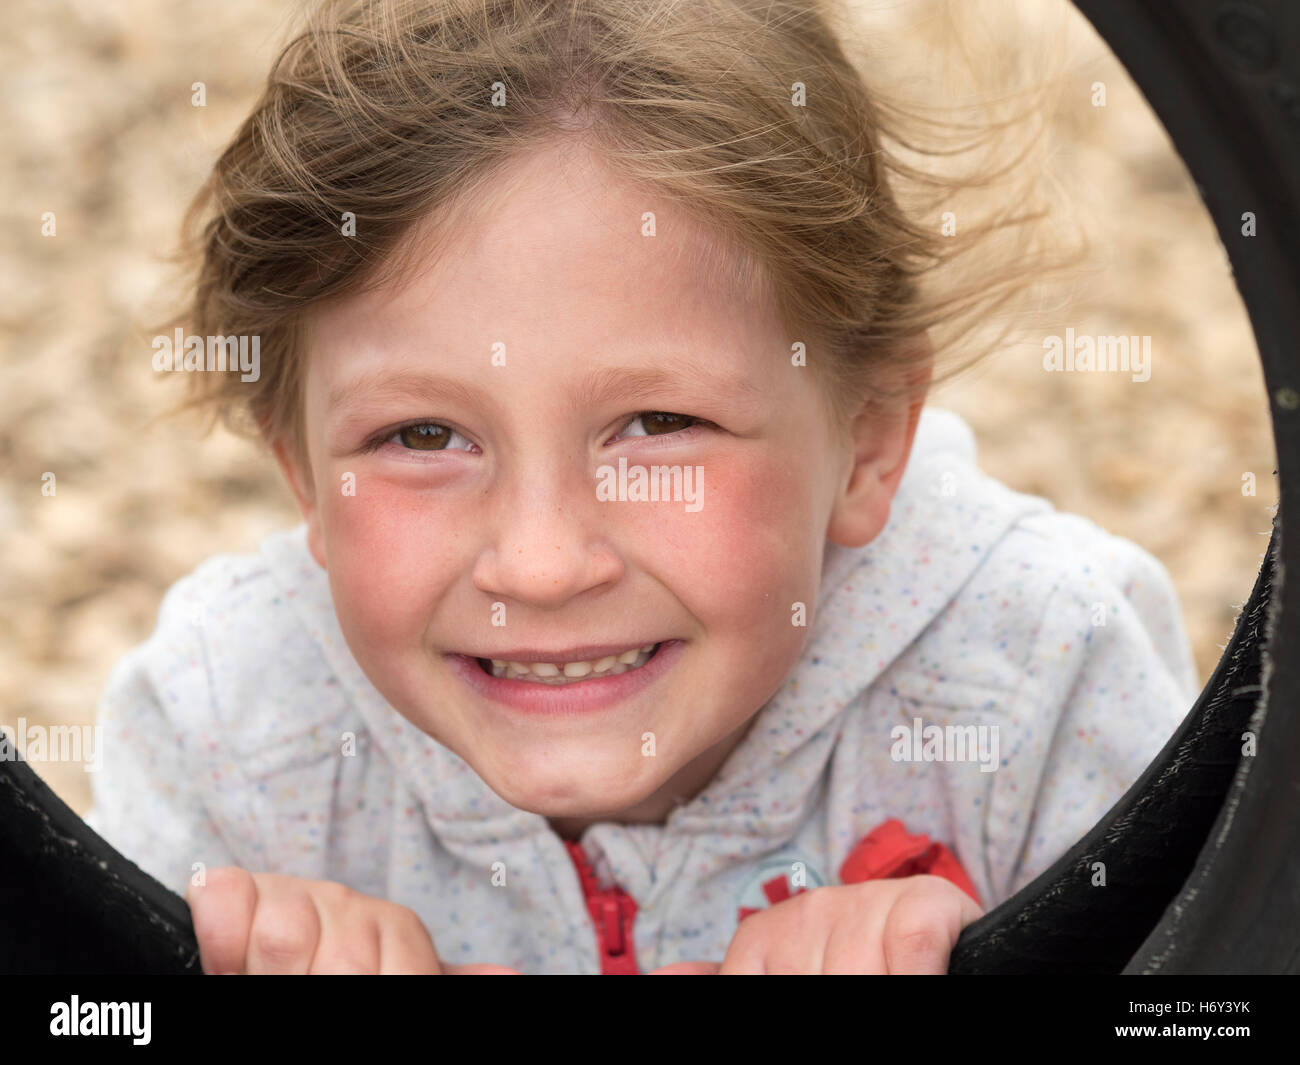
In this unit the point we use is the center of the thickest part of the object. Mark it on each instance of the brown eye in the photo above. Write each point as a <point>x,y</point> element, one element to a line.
<point>425,437</point>
<point>660,423</point>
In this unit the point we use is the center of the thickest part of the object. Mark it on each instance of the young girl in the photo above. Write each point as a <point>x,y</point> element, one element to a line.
<point>792,688</point>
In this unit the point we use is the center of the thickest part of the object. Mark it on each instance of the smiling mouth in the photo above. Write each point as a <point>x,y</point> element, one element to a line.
<point>558,674</point>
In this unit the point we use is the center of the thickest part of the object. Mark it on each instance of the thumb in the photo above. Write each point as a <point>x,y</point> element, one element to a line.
<point>688,968</point>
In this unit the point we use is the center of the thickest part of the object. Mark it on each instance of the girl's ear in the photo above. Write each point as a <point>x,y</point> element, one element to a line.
<point>300,483</point>
<point>881,441</point>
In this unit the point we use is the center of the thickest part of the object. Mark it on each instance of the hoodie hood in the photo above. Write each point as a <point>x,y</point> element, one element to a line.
<point>946,517</point>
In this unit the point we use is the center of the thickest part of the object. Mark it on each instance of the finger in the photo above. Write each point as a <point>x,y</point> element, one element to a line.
<point>687,968</point>
<point>795,932</point>
<point>970,910</point>
<point>349,931</point>
<point>286,927</point>
<point>744,955</point>
<point>222,910</point>
<point>405,946</point>
<point>784,940</point>
<point>920,931</point>
<point>854,944</point>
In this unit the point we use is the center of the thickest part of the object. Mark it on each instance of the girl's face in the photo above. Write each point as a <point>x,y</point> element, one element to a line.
<point>457,429</point>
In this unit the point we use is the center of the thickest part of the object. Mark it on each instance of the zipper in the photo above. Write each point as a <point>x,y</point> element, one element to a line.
<point>612,912</point>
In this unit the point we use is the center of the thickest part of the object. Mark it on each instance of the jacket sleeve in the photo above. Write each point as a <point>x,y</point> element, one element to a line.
<point>147,796</point>
<point>1109,678</point>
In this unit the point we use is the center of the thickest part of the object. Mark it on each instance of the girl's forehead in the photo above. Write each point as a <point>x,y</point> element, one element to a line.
<point>560,211</point>
<point>557,263</point>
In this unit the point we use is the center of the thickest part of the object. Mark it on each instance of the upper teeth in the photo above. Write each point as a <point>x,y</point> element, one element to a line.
<point>561,672</point>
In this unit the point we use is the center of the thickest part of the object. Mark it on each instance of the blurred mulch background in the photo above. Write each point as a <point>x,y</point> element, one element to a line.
<point>98,126</point>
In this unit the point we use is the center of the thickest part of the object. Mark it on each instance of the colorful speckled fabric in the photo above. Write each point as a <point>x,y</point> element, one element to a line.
<point>977,606</point>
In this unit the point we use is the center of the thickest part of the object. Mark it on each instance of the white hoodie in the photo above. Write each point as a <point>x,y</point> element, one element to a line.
<point>243,732</point>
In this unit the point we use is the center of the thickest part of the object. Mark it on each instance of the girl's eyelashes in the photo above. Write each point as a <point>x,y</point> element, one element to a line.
<point>664,423</point>
<point>421,436</point>
<point>434,436</point>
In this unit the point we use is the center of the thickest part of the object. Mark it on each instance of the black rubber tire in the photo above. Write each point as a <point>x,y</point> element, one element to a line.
<point>1202,854</point>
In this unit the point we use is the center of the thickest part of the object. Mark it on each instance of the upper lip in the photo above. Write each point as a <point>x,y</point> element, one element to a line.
<point>590,653</point>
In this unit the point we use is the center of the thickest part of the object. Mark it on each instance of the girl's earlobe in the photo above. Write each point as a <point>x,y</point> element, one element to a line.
<point>299,480</point>
<point>300,484</point>
<point>881,440</point>
<point>315,541</point>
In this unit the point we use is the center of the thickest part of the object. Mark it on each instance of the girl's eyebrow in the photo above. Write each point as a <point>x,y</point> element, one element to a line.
<point>691,382</point>
<point>379,386</point>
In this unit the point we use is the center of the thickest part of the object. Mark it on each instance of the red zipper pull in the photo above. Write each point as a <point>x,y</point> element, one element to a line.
<point>612,912</point>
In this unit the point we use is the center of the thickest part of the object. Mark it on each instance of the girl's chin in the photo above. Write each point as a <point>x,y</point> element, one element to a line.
<point>556,801</point>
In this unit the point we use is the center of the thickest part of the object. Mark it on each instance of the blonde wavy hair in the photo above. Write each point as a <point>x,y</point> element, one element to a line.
<point>842,210</point>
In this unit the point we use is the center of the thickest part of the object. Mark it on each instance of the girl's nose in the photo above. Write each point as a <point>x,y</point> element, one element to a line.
<point>547,553</point>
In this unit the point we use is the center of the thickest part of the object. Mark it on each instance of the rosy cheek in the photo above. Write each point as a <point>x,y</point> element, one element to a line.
<point>744,557</point>
<point>389,552</point>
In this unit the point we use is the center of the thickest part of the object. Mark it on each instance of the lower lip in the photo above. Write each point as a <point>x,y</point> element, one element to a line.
<point>582,697</point>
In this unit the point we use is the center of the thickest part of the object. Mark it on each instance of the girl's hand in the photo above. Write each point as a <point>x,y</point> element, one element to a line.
<point>906,925</point>
<point>260,923</point>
